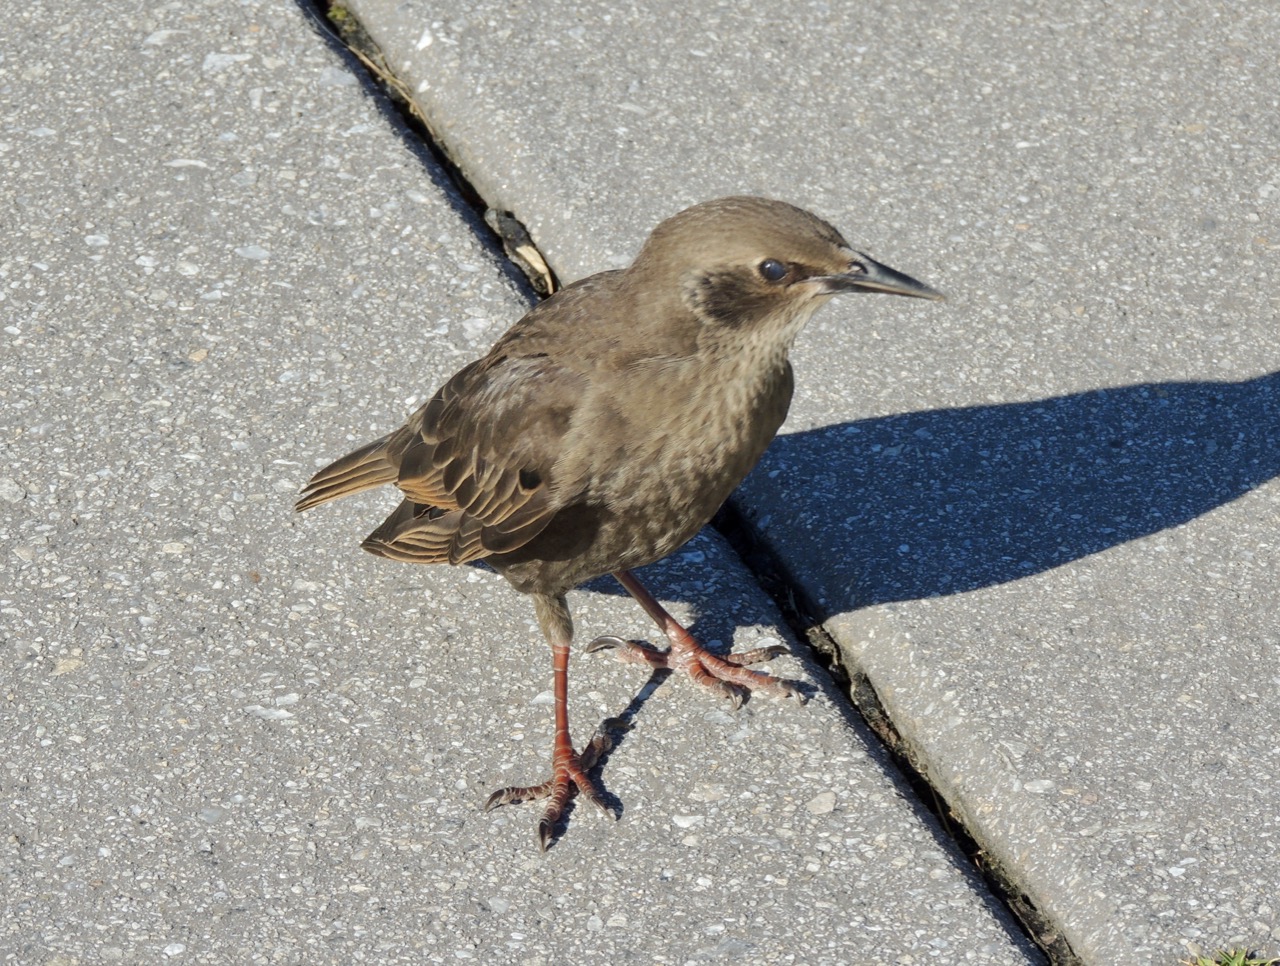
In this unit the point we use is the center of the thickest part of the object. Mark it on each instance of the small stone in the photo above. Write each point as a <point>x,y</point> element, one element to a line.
<point>216,62</point>
<point>821,804</point>
<point>336,77</point>
<point>267,714</point>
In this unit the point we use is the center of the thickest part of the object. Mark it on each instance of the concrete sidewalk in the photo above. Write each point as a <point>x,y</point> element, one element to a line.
<point>1041,518</point>
<point>231,736</point>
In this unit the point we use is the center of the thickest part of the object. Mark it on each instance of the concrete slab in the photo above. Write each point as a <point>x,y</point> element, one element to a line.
<point>1041,518</point>
<point>231,737</point>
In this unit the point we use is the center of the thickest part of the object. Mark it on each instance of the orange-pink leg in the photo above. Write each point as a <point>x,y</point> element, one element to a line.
<point>728,675</point>
<point>568,768</point>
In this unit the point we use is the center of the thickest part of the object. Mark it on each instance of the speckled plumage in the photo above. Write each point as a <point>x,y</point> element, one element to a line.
<point>611,422</point>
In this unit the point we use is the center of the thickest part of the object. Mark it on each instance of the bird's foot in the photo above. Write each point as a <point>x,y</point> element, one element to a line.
<point>568,771</point>
<point>728,675</point>
<point>725,675</point>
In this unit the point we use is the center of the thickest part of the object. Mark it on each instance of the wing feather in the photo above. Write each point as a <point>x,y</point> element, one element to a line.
<point>477,463</point>
<point>363,469</point>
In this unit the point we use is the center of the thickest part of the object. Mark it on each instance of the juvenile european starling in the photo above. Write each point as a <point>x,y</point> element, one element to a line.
<point>607,427</point>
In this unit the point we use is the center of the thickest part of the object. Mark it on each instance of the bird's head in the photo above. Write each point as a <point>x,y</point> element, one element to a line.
<point>753,265</point>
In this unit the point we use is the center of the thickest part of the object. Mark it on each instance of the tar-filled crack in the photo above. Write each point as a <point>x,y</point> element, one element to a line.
<point>498,229</point>
<point>772,576</point>
<point>342,30</point>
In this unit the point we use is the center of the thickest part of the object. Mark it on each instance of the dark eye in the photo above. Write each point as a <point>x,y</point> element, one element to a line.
<point>772,270</point>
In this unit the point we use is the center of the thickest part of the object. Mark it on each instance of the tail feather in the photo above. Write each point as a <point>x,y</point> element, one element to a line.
<point>367,467</point>
<point>426,535</point>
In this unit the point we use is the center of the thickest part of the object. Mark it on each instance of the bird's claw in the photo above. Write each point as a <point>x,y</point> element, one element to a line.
<point>605,642</point>
<point>756,656</point>
<point>569,772</point>
<point>734,693</point>
<point>514,794</point>
<point>630,652</point>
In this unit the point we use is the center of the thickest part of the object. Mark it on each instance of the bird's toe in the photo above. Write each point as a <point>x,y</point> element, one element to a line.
<point>757,656</point>
<point>630,652</point>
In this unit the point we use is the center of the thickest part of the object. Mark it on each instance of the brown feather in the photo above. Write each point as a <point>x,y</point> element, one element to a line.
<point>367,467</point>
<point>470,492</point>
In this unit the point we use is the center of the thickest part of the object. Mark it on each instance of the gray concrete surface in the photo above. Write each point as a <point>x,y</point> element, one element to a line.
<point>1041,517</point>
<point>230,736</point>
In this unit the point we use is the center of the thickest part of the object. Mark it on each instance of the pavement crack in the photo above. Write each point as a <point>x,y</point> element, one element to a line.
<point>501,229</point>
<point>789,597</point>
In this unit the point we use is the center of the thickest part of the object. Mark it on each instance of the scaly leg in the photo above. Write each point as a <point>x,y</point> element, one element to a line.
<point>568,768</point>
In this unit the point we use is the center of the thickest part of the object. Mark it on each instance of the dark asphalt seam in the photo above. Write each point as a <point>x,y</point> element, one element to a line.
<point>899,758</point>
<point>499,231</point>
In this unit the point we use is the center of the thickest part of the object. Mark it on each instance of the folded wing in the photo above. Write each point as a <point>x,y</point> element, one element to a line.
<point>476,464</point>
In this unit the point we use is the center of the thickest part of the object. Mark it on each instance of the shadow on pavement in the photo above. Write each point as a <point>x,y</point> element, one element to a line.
<point>933,503</point>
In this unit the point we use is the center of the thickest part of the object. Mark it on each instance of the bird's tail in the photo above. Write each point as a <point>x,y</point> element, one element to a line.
<point>367,467</point>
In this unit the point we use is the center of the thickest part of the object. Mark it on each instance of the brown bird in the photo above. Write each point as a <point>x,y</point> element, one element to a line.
<point>608,425</point>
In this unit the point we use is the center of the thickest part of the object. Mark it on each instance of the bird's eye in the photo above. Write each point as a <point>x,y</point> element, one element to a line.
<point>772,270</point>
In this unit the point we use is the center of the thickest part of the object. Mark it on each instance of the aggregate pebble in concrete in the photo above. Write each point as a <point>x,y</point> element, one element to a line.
<point>230,736</point>
<point>1041,517</point>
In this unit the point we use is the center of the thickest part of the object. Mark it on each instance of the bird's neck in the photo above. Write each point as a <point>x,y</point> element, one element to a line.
<point>757,353</point>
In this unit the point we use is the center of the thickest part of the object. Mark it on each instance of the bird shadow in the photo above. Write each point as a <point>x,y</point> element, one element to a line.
<point>943,501</point>
<point>940,502</point>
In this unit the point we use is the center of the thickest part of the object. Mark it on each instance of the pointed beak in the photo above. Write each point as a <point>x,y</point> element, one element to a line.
<point>867,275</point>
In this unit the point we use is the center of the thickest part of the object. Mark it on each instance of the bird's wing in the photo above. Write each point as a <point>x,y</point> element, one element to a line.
<point>477,462</point>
